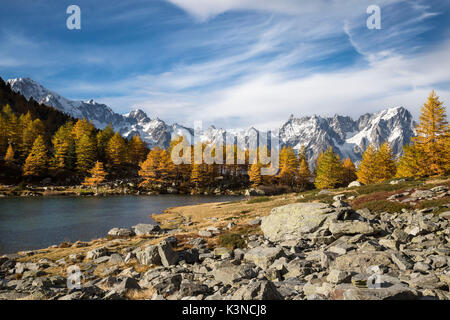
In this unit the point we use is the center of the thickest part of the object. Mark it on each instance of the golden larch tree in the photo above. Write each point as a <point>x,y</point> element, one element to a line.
<point>304,174</point>
<point>197,175</point>
<point>329,170</point>
<point>288,166</point>
<point>149,168</point>
<point>137,150</point>
<point>410,163</point>
<point>62,141</point>
<point>36,162</point>
<point>103,137</point>
<point>9,157</point>
<point>385,163</point>
<point>116,151</point>
<point>166,168</point>
<point>432,137</point>
<point>86,153</point>
<point>367,169</point>
<point>348,172</point>
<point>82,127</point>
<point>255,175</point>
<point>98,175</point>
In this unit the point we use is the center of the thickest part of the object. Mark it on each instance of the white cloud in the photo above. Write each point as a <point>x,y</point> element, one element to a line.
<point>206,9</point>
<point>266,99</point>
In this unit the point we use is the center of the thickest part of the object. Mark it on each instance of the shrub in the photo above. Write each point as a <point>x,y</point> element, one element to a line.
<point>231,241</point>
<point>258,200</point>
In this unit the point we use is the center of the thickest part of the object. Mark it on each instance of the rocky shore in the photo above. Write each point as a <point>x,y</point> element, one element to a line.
<point>303,250</point>
<point>111,189</point>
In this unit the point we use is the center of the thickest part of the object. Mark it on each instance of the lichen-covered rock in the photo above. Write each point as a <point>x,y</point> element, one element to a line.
<point>351,228</point>
<point>149,256</point>
<point>144,229</point>
<point>294,220</point>
<point>168,256</point>
<point>228,273</point>
<point>121,232</point>
<point>258,290</point>
<point>263,257</point>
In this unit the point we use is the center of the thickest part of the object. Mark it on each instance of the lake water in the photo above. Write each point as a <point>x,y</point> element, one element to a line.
<point>35,223</point>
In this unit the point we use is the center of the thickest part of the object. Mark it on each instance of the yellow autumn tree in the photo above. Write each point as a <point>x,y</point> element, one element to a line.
<point>385,163</point>
<point>9,157</point>
<point>348,172</point>
<point>410,163</point>
<point>103,137</point>
<point>82,127</point>
<point>329,170</point>
<point>368,167</point>
<point>62,141</point>
<point>166,168</point>
<point>116,151</point>
<point>86,153</point>
<point>288,166</point>
<point>304,173</point>
<point>255,175</point>
<point>36,162</point>
<point>136,150</point>
<point>149,168</point>
<point>197,175</point>
<point>432,137</point>
<point>98,175</point>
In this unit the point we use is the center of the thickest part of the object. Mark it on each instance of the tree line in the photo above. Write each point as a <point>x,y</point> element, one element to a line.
<point>79,148</point>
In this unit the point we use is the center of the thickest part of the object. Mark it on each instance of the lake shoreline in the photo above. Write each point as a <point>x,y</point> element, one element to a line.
<point>82,191</point>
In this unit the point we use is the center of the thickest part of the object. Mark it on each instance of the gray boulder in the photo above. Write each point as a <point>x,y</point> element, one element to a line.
<point>258,290</point>
<point>263,257</point>
<point>168,256</point>
<point>294,220</point>
<point>121,232</point>
<point>229,273</point>
<point>96,253</point>
<point>144,229</point>
<point>149,256</point>
<point>395,292</point>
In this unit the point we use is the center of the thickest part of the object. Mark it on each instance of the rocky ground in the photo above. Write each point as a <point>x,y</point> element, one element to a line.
<point>301,250</point>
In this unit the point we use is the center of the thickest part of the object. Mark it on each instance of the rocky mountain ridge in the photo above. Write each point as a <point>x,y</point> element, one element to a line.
<point>347,136</point>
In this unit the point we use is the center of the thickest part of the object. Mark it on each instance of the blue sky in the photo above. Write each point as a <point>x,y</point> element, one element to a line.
<point>233,63</point>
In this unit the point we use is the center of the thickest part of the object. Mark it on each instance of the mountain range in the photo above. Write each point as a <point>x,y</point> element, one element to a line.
<point>347,136</point>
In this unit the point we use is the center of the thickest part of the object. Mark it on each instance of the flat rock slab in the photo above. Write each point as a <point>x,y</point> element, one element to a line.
<point>395,292</point>
<point>360,261</point>
<point>294,220</point>
<point>144,229</point>
<point>228,273</point>
<point>351,228</point>
<point>263,257</point>
<point>121,232</point>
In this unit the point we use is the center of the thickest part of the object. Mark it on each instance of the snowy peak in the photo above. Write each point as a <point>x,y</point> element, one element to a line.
<point>347,136</point>
<point>139,115</point>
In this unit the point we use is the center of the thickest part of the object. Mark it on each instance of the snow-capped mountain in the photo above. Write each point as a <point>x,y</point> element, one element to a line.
<point>347,136</point>
<point>154,131</point>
